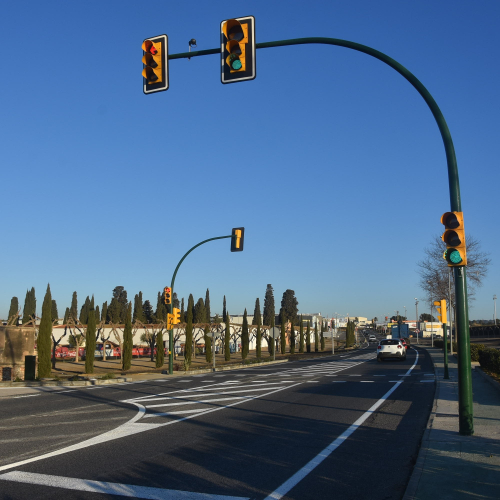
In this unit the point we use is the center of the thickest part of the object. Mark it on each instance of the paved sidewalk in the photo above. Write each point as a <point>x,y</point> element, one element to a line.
<point>451,466</point>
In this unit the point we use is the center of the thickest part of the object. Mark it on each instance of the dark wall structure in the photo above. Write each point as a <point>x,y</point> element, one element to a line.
<point>15,343</point>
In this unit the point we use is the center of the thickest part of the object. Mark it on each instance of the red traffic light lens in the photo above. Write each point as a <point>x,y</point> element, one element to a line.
<point>148,46</point>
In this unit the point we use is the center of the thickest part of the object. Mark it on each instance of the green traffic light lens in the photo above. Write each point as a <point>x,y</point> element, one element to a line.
<point>236,64</point>
<point>454,256</point>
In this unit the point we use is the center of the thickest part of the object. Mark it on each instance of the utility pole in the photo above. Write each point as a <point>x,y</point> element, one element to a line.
<point>495,302</point>
<point>416,314</point>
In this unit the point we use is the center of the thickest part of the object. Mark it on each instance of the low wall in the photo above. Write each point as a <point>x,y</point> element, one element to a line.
<point>15,343</point>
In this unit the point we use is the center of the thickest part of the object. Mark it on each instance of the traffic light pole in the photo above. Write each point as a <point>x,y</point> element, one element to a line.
<point>445,332</point>
<point>466,424</point>
<point>170,306</point>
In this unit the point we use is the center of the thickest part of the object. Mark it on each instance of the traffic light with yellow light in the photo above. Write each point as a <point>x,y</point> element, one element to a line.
<point>441,310</point>
<point>237,237</point>
<point>454,237</point>
<point>176,316</point>
<point>155,64</point>
<point>168,295</point>
<point>238,49</point>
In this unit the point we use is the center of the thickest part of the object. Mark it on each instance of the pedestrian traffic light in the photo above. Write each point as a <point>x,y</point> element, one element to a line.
<point>441,310</point>
<point>177,316</point>
<point>237,237</point>
<point>238,49</point>
<point>454,237</point>
<point>170,321</point>
<point>168,295</point>
<point>155,64</point>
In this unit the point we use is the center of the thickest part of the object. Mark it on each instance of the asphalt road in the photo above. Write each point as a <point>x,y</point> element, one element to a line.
<point>343,425</point>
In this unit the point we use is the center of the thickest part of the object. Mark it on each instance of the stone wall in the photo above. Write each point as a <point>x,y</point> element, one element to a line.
<point>15,343</point>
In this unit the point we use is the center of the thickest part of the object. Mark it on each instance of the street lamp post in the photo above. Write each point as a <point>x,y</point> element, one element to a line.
<point>495,314</point>
<point>416,315</point>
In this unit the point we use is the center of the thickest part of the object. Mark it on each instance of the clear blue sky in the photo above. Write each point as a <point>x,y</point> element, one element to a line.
<point>330,159</point>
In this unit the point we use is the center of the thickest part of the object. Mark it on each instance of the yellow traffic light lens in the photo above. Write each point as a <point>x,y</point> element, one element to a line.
<point>452,239</point>
<point>149,74</point>
<point>451,221</point>
<point>234,31</point>
<point>149,60</point>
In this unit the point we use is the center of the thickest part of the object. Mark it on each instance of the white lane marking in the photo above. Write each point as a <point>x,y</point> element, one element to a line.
<point>26,396</point>
<point>124,490</point>
<point>367,381</point>
<point>312,464</point>
<point>133,427</point>
<point>312,381</point>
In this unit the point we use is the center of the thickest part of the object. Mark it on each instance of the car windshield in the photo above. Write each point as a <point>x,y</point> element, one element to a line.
<point>389,342</point>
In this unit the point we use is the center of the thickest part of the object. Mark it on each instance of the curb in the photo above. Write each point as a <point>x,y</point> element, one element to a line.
<point>224,368</point>
<point>488,379</point>
<point>418,468</point>
<point>54,383</point>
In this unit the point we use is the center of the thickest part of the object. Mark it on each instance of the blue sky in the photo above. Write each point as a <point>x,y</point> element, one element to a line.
<point>330,159</point>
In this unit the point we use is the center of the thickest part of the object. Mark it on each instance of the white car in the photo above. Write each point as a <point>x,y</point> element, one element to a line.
<point>391,348</point>
<point>372,338</point>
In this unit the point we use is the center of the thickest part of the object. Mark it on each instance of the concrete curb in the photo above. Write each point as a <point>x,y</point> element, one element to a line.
<point>54,383</point>
<point>486,377</point>
<point>416,475</point>
<point>224,368</point>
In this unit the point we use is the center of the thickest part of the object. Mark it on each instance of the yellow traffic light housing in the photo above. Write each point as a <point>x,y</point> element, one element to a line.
<point>168,295</point>
<point>441,311</point>
<point>170,321</point>
<point>454,237</point>
<point>176,316</point>
<point>155,64</point>
<point>237,238</point>
<point>238,49</point>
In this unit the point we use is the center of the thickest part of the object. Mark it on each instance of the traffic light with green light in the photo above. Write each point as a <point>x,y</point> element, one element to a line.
<point>441,310</point>
<point>238,49</point>
<point>155,64</point>
<point>237,237</point>
<point>454,237</point>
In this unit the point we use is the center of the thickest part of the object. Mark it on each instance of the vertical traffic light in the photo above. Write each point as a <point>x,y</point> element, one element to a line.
<point>441,311</point>
<point>237,237</point>
<point>155,64</point>
<point>168,295</point>
<point>454,237</point>
<point>238,49</point>
<point>176,316</point>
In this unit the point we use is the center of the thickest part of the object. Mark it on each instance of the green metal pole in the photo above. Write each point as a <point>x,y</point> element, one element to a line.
<point>170,307</point>
<point>466,426</point>
<point>445,335</point>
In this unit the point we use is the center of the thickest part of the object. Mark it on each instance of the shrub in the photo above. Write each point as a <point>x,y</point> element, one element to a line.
<point>107,376</point>
<point>489,359</point>
<point>475,349</point>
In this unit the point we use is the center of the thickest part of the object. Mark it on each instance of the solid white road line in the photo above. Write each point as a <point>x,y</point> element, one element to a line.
<point>312,464</point>
<point>124,490</point>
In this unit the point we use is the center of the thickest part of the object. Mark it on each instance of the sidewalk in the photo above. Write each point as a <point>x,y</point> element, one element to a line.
<point>451,466</point>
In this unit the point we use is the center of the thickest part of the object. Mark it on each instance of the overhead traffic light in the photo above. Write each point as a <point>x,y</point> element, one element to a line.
<point>155,64</point>
<point>238,49</point>
<point>238,235</point>
<point>177,316</point>
<point>454,237</point>
<point>441,310</point>
<point>168,295</point>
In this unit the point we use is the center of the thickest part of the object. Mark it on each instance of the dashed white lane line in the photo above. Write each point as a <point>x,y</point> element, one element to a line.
<point>124,490</point>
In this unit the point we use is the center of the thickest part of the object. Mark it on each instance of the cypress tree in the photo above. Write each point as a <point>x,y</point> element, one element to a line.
<point>29,310</point>
<point>45,337</point>
<point>14,308</point>
<point>104,311</point>
<point>183,312</point>
<point>350,338</point>
<point>227,339</point>
<point>84,311</point>
<point>161,310</point>
<point>323,330</point>
<point>308,337</point>
<point>199,313</point>
<point>97,315</point>
<point>188,348</point>
<point>269,309</point>
<point>224,312</point>
<point>245,341</point>
<point>127,340</point>
<point>208,344</point>
<point>301,335</point>
<point>175,301</point>
<point>257,320</point>
<point>292,339</point>
<point>207,307</point>
<point>283,337</point>
<point>66,316</point>
<point>316,337</point>
<point>160,350</point>
<point>147,313</point>
<point>90,339</point>
<point>55,314</point>
<point>73,310</point>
